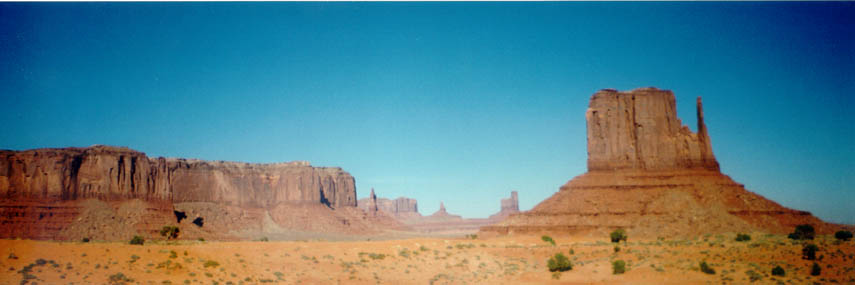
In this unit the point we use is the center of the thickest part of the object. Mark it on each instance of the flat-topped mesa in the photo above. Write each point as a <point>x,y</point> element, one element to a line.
<point>640,130</point>
<point>118,173</point>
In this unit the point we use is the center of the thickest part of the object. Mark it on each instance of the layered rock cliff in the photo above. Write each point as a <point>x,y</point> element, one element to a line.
<point>640,130</point>
<point>42,190</point>
<point>651,175</point>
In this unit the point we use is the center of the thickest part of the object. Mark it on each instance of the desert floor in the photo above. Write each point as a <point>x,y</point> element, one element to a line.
<point>500,260</point>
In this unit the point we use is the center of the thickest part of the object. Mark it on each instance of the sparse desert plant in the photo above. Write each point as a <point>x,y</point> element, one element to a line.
<point>211,263</point>
<point>618,235</point>
<point>815,270</point>
<point>137,240</point>
<point>572,252</point>
<point>843,235</point>
<point>556,275</point>
<point>753,276</point>
<point>559,263</point>
<point>617,249</point>
<point>618,267</point>
<point>120,278</point>
<point>743,237</point>
<point>86,239</point>
<point>809,251</point>
<point>705,268</point>
<point>803,232</point>
<point>170,232</point>
<point>548,239</point>
<point>263,239</point>
<point>778,271</point>
<point>201,239</point>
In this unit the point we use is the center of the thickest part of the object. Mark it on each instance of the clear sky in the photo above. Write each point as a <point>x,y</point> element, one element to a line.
<point>452,102</point>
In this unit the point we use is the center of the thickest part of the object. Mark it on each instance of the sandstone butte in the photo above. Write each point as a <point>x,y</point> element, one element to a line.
<point>113,193</point>
<point>651,175</point>
<point>405,210</point>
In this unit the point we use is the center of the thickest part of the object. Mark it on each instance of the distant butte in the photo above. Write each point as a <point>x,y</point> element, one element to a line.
<point>650,174</point>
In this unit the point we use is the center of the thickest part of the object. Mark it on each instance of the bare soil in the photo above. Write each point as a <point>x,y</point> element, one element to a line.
<point>498,260</point>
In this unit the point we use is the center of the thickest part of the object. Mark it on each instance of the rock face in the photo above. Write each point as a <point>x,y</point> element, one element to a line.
<point>510,206</point>
<point>42,190</point>
<point>640,130</point>
<point>652,176</point>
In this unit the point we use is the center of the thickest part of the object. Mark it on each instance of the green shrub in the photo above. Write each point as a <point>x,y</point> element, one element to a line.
<point>743,237</point>
<point>803,232</point>
<point>778,271</point>
<point>617,249</point>
<point>618,235</point>
<point>559,262</point>
<point>137,240</point>
<point>211,263</point>
<point>809,251</point>
<point>548,239</point>
<point>86,239</point>
<point>815,270</point>
<point>264,239</point>
<point>843,235</point>
<point>170,232</point>
<point>618,267</point>
<point>705,268</point>
<point>119,278</point>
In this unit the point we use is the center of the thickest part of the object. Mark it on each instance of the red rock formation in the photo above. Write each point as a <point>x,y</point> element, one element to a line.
<point>404,209</point>
<point>651,175</point>
<point>640,130</point>
<point>508,206</point>
<point>43,191</point>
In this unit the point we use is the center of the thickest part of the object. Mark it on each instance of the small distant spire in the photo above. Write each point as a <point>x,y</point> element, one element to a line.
<point>441,207</point>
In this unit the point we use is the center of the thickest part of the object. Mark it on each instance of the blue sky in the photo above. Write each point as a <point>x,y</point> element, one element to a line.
<point>452,102</point>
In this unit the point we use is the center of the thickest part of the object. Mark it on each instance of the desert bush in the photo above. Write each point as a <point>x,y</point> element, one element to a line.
<point>743,237</point>
<point>86,239</point>
<point>264,239</point>
<point>211,263</point>
<point>809,251</point>
<point>815,270</point>
<point>137,240</point>
<point>778,271</point>
<point>705,268</point>
<point>618,235</point>
<point>617,249</point>
<point>843,235</point>
<point>119,278</point>
<point>548,239</point>
<point>170,232</point>
<point>618,267</point>
<point>803,232</point>
<point>753,276</point>
<point>559,263</point>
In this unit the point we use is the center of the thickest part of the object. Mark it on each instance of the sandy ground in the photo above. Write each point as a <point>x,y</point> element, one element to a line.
<point>501,260</point>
